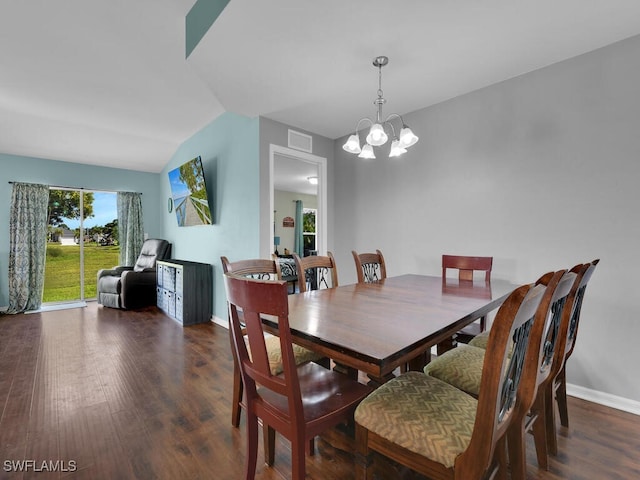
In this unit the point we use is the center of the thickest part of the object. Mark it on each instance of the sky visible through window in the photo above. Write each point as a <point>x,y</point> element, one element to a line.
<point>105,210</point>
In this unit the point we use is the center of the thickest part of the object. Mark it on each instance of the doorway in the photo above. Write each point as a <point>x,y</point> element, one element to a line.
<point>290,171</point>
<point>82,239</point>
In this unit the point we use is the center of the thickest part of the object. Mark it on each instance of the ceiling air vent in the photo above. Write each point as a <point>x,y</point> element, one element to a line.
<point>300,141</point>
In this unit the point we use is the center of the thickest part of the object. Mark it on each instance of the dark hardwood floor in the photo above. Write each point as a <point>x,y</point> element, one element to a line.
<point>119,395</point>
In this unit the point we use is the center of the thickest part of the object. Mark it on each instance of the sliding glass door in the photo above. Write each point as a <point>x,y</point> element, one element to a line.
<point>82,239</point>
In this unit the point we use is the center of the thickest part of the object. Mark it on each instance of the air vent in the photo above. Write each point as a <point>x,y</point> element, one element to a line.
<point>300,141</point>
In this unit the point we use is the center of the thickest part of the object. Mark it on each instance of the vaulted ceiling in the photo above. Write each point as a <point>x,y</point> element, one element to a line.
<point>107,83</point>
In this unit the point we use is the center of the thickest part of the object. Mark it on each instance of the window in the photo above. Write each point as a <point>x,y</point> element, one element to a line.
<point>309,230</point>
<point>74,258</point>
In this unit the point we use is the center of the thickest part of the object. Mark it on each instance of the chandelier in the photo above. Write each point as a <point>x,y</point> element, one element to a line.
<point>378,133</point>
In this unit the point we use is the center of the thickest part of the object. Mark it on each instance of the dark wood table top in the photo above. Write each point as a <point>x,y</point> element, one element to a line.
<point>377,327</point>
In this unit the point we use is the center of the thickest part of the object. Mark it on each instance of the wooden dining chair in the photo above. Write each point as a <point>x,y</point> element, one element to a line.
<point>462,368</point>
<point>440,431</point>
<point>567,339</point>
<point>531,408</point>
<point>370,267</point>
<point>466,267</point>
<point>316,272</point>
<point>302,401</point>
<point>261,269</point>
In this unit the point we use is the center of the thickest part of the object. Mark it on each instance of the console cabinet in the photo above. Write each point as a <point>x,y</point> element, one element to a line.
<point>184,290</point>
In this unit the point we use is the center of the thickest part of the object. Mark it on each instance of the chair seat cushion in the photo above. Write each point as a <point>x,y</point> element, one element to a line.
<point>480,340</point>
<point>422,414</point>
<point>301,354</point>
<point>460,367</point>
<point>109,284</point>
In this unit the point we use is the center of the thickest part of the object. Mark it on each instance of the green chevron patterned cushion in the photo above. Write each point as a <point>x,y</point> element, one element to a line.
<point>421,414</point>
<point>480,340</point>
<point>301,354</point>
<point>460,367</point>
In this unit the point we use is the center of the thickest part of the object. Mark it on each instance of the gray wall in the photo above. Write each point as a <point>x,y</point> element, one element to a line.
<point>66,174</point>
<point>540,171</point>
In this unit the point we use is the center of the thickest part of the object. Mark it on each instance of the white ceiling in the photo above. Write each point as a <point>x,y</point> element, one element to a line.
<point>292,175</point>
<point>106,82</point>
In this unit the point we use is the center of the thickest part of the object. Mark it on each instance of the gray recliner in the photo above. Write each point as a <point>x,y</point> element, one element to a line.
<point>133,287</point>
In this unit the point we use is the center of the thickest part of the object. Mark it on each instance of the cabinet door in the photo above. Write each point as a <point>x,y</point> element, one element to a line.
<point>179,280</point>
<point>159,272</point>
<point>179,308</point>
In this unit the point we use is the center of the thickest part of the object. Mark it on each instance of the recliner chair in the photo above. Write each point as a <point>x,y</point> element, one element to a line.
<point>131,287</point>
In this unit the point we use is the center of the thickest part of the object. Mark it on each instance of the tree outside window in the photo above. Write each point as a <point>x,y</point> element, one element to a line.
<point>309,229</point>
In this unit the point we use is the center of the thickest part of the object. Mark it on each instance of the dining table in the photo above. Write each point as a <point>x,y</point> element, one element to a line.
<point>377,327</point>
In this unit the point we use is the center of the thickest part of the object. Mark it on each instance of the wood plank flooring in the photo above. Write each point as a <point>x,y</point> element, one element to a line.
<point>109,394</point>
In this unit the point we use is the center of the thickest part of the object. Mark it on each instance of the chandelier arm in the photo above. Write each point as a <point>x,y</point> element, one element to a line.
<point>393,130</point>
<point>390,117</point>
<point>361,120</point>
<point>393,115</point>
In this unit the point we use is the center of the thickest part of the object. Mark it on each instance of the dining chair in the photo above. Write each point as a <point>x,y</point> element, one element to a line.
<point>370,267</point>
<point>316,272</point>
<point>532,410</point>
<point>567,340</point>
<point>261,269</point>
<point>462,368</point>
<point>302,401</point>
<point>440,431</point>
<point>466,267</point>
<point>287,270</point>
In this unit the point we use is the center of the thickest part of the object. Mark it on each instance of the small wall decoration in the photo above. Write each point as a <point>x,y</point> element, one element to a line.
<point>287,222</point>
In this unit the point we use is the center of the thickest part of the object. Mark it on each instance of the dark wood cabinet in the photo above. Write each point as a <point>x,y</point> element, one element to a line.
<point>184,290</point>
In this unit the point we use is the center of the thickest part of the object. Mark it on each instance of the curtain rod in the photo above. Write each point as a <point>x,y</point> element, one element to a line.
<point>80,188</point>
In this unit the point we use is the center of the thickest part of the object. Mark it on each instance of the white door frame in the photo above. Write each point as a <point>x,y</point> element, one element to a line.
<point>321,163</point>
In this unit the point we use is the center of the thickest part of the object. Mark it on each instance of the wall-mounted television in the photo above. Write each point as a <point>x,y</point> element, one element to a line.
<point>189,194</point>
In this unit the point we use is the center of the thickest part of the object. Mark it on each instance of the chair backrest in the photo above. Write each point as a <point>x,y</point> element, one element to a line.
<point>501,377</point>
<point>544,335</point>
<point>256,268</point>
<point>466,266</point>
<point>316,272</point>
<point>256,298</point>
<point>572,328</point>
<point>370,267</point>
<point>153,249</point>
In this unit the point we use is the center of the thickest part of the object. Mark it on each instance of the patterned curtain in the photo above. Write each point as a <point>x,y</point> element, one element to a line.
<point>130,227</point>
<point>298,241</point>
<point>27,246</point>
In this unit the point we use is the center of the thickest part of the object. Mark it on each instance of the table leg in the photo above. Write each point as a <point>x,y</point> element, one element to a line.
<point>446,345</point>
<point>348,371</point>
<point>418,363</point>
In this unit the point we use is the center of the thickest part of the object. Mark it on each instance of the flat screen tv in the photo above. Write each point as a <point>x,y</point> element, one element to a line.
<point>189,194</point>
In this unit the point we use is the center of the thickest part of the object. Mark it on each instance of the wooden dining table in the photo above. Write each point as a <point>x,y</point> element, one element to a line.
<point>377,327</point>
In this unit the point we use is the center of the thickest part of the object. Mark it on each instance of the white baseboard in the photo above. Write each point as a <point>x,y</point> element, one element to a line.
<point>219,321</point>
<point>601,398</point>
<point>606,399</point>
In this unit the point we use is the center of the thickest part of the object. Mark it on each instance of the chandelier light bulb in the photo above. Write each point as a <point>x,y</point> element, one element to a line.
<point>367,152</point>
<point>396,149</point>
<point>377,136</point>
<point>407,137</point>
<point>352,145</point>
